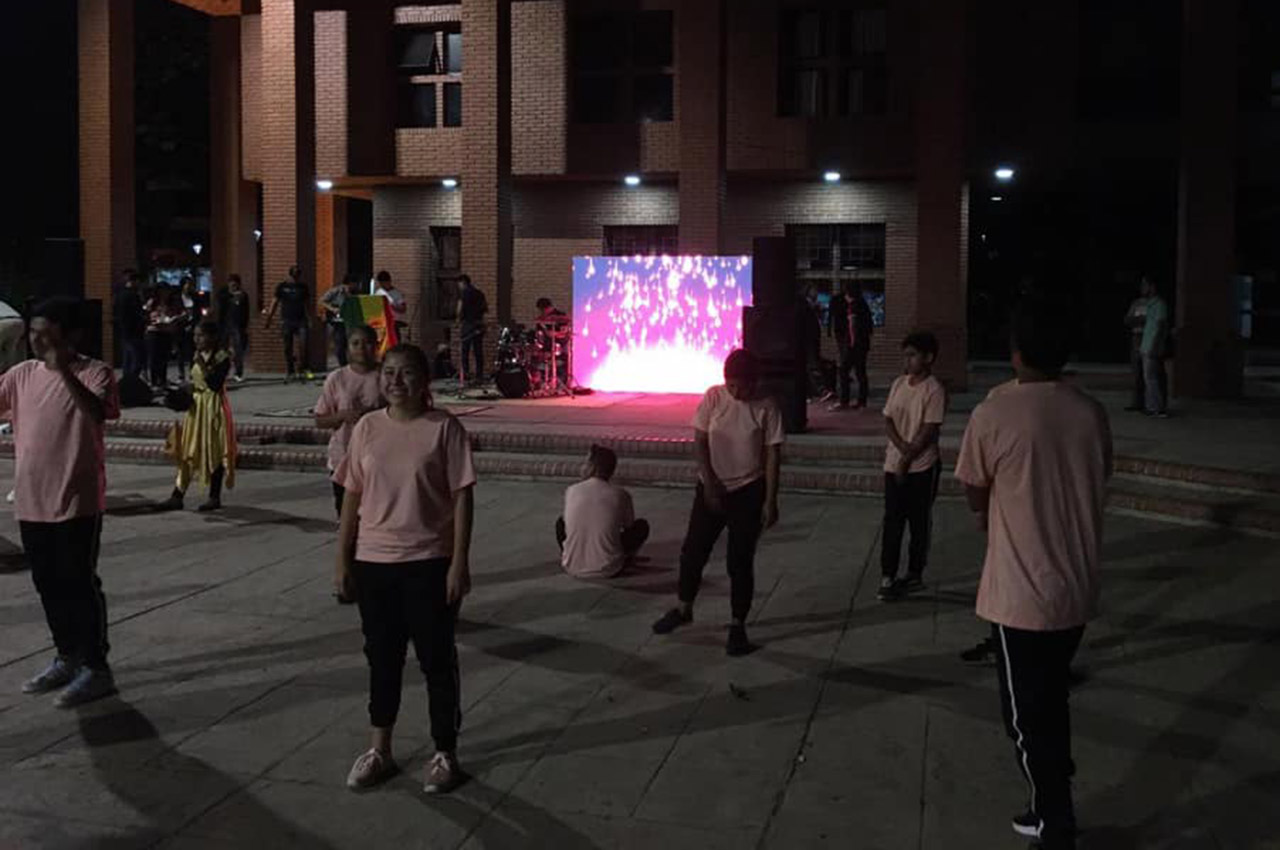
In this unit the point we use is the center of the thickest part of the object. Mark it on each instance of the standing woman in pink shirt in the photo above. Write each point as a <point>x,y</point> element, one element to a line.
<point>59,403</point>
<point>403,549</point>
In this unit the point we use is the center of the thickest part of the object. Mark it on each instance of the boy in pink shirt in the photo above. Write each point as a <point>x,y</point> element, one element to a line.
<point>912,464</point>
<point>349,393</point>
<point>58,404</point>
<point>1035,460</point>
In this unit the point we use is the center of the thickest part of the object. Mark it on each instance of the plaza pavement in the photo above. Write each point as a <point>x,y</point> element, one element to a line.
<point>243,689</point>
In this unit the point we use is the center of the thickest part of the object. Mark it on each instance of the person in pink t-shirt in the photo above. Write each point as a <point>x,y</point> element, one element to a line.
<point>403,549</point>
<point>58,403</point>
<point>1035,460</point>
<point>349,393</point>
<point>913,417</point>
<point>738,446</point>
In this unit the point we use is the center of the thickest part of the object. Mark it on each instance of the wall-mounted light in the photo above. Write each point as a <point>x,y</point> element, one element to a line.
<point>324,185</point>
<point>197,247</point>
<point>1004,173</point>
<point>831,176</point>
<point>997,198</point>
<point>449,182</point>
<point>257,235</point>
<point>632,180</point>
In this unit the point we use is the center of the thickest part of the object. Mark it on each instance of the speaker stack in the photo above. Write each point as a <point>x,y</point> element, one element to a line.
<point>773,329</point>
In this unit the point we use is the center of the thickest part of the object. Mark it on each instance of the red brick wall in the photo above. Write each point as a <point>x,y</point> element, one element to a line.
<point>107,226</point>
<point>331,93</point>
<point>580,210</point>
<point>755,208</point>
<point>251,96</point>
<point>699,37</point>
<point>544,268</point>
<point>430,151</point>
<point>539,102</point>
<point>428,14</point>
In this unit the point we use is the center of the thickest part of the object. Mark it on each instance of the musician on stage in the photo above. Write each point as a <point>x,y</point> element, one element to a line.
<point>549,314</point>
<point>471,309</point>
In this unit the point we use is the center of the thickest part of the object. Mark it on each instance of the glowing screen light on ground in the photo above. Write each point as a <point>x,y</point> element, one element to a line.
<point>657,324</point>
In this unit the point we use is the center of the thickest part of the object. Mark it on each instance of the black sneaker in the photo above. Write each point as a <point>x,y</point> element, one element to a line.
<point>911,584</point>
<point>983,653</point>
<point>1028,824</point>
<point>890,590</point>
<point>738,644</point>
<point>670,621</point>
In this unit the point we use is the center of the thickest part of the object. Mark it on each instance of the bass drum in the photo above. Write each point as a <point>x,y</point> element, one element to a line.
<point>514,382</point>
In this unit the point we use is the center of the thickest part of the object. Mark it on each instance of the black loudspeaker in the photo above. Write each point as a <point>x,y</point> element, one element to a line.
<point>63,270</point>
<point>134,392</point>
<point>773,271</point>
<point>775,336</point>
<point>90,343</point>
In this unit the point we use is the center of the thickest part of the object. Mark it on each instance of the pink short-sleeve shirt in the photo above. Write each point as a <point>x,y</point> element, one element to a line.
<point>347,389</point>
<point>910,406</point>
<point>61,470</point>
<point>1044,451</point>
<point>406,474</point>
<point>738,433</point>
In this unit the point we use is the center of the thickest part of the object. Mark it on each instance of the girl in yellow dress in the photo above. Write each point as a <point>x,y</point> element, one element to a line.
<point>204,444</point>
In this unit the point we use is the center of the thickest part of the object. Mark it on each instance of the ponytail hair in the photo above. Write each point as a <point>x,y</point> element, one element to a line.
<point>418,358</point>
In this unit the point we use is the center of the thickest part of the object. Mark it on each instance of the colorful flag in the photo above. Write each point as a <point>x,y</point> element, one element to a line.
<point>374,311</point>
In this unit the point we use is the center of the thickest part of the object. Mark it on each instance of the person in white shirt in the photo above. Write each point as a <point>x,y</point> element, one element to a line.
<point>599,533</point>
<point>388,290</point>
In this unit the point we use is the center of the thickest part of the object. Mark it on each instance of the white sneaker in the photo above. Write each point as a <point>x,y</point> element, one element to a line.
<point>59,673</point>
<point>87,686</point>
<point>370,769</point>
<point>9,498</point>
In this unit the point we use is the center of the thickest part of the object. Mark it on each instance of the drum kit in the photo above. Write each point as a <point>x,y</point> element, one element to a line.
<point>535,362</point>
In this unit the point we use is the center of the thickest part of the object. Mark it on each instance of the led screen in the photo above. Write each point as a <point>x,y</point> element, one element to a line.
<point>657,324</point>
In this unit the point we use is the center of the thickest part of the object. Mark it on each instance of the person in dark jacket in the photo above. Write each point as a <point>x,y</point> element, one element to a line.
<point>849,321</point>
<point>131,325</point>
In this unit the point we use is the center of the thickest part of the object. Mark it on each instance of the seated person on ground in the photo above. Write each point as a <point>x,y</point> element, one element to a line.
<point>598,533</point>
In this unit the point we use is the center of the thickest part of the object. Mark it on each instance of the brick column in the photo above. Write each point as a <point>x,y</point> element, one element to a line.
<point>486,169</point>
<point>1209,359</point>
<point>940,184</point>
<point>701,54</point>
<point>231,198</point>
<point>288,156</point>
<point>107,218</point>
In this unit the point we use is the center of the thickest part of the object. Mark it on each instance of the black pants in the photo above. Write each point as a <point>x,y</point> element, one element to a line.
<point>64,566</point>
<point>339,332</point>
<point>133,352</point>
<point>853,359</point>
<point>633,536</point>
<point>186,340</point>
<point>339,492</point>
<point>473,345</point>
<point>1034,672</point>
<point>238,342</point>
<point>158,346</point>
<point>408,602</point>
<point>908,504</point>
<point>1139,398</point>
<point>742,516</point>
<point>288,331</point>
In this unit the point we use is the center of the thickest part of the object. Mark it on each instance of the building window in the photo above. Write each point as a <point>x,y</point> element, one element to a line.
<point>447,244</point>
<point>429,65</point>
<point>832,63</point>
<point>623,68</point>
<point>828,255</point>
<point>644,240</point>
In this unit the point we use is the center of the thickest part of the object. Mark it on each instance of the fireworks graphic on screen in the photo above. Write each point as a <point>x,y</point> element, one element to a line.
<point>657,324</point>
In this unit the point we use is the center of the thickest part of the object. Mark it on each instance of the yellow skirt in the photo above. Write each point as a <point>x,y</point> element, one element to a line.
<point>204,441</point>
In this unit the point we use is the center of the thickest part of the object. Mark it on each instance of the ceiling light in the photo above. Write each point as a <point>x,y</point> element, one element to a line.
<point>831,176</point>
<point>324,185</point>
<point>449,182</point>
<point>1004,173</point>
<point>631,180</point>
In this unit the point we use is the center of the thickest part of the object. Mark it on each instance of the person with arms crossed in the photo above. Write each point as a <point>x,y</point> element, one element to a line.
<point>59,404</point>
<point>1035,460</point>
<point>403,550</point>
<point>913,418</point>
<point>599,533</point>
<point>738,446</point>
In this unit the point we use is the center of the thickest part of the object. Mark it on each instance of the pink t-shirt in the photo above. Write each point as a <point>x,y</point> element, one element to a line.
<point>1044,450</point>
<point>738,432</point>
<point>347,389</point>
<point>910,407</point>
<point>61,473</point>
<point>406,474</point>
<point>595,512</point>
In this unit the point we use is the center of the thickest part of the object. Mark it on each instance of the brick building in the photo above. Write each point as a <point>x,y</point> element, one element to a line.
<point>493,137</point>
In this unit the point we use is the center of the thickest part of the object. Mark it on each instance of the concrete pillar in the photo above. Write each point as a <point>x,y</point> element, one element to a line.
<point>106,127</point>
<point>232,200</point>
<point>486,168</point>
<point>941,276</point>
<point>1209,357</point>
<point>701,49</point>
<point>288,154</point>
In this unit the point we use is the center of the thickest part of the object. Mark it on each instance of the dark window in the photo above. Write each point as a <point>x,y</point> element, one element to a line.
<point>447,242</point>
<point>828,255</point>
<point>417,105</point>
<point>429,58</point>
<point>832,62</point>
<point>643,240</point>
<point>453,104</point>
<point>622,67</point>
